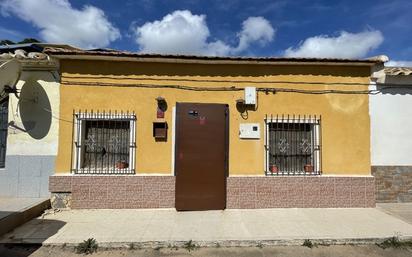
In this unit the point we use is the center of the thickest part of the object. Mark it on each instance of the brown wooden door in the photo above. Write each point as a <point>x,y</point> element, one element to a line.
<point>201,156</point>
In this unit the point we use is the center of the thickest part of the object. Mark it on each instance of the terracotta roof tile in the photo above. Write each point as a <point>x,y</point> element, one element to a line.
<point>115,53</point>
<point>395,71</point>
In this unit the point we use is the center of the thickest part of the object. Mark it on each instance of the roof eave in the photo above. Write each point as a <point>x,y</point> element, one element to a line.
<point>190,60</point>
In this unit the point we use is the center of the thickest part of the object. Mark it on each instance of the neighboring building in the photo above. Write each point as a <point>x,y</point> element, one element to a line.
<point>391,126</point>
<point>195,133</point>
<point>29,124</point>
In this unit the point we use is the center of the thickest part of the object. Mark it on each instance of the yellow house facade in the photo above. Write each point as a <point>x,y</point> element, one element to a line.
<point>197,133</point>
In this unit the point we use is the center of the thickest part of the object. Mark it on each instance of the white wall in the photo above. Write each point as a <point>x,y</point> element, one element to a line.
<point>391,124</point>
<point>32,142</point>
<point>39,95</point>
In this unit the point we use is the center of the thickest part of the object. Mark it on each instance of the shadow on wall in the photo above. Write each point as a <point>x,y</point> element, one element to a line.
<point>394,89</point>
<point>35,110</point>
<point>107,68</point>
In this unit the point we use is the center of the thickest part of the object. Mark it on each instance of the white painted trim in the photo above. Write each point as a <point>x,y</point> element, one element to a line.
<point>313,120</point>
<point>307,120</point>
<point>112,175</point>
<point>173,140</point>
<point>265,159</point>
<point>152,174</point>
<point>105,116</point>
<point>307,176</point>
<point>78,134</point>
<point>231,176</point>
<point>343,175</point>
<point>132,150</point>
<point>317,153</point>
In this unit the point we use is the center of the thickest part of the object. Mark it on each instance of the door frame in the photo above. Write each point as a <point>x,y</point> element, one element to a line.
<point>227,135</point>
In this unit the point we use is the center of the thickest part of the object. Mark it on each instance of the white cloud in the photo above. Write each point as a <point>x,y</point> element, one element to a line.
<point>399,64</point>
<point>346,45</point>
<point>179,32</point>
<point>255,29</point>
<point>59,22</point>
<point>182,32</point>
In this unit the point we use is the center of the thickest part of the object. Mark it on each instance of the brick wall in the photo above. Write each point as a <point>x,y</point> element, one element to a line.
<point>393,183</point>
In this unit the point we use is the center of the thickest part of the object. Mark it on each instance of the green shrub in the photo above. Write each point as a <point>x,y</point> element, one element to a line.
<point>88,246</point>
<point>308,243</point>
<point>394,242</point>
<point>190,246</point>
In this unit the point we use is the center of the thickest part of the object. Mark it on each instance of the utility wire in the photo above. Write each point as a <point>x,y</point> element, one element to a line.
<point>234,88</point>
<point>96,84</point>
<point>266,90</point>
<point>239,81</point>
<point>222,81</point>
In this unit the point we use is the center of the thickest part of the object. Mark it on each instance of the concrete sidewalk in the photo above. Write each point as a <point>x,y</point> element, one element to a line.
<point>16,211</point>
<point>402,211</point>
<point>153,227</point>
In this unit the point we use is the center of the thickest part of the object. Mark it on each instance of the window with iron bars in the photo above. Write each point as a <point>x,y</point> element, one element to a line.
<point>293,145</point>
<point>104,143</point>
<point>4,112</point>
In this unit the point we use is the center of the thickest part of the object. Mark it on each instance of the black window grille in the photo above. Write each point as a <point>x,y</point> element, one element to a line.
<point>293,145</point>
<point>4,112</point>
<point>104,143</point>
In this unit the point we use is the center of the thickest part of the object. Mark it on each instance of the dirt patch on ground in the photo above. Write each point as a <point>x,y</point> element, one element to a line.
<point>283,251</point>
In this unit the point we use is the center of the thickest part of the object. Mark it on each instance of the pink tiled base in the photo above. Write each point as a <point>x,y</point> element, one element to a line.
<point>116,192</point>
<point>300,192</point>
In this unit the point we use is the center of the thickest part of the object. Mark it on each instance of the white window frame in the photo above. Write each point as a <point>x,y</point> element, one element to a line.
<point>79,128</point>
<point>314,121</point>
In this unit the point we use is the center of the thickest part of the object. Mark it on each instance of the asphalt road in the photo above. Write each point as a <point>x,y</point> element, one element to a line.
<point>280,251</point>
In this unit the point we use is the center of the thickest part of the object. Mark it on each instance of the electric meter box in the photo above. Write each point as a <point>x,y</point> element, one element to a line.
<point>249,130</point>
<point>250,95</point>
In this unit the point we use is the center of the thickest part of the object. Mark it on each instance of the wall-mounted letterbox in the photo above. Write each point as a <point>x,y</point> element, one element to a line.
<point>160,131</point>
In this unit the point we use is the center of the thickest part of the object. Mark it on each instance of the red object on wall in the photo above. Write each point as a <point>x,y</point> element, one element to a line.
<point>308,168</point>
<point>274,169</point>
<point>160,114</point>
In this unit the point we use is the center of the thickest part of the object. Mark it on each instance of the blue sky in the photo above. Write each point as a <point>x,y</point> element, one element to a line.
<point>347,29</point>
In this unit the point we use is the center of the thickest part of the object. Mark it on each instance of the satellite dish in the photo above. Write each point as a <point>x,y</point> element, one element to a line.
<point>9,74</point>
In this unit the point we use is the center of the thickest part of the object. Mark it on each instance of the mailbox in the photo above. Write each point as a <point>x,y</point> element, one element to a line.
<point>160,130</point>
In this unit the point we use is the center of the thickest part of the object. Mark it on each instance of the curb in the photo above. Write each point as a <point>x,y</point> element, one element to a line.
<point>16,219</point>
<point>233,243</point>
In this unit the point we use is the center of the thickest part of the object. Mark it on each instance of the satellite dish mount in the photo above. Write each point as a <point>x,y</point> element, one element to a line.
<point>9,75</point>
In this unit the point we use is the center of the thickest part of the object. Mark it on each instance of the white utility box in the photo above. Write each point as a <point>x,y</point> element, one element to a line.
<point>249,130</point>
<point>250,95</point>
